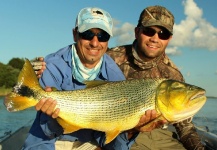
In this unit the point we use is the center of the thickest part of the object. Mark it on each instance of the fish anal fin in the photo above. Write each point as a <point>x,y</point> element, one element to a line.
<point>94,83</point>
<point>111,135</point>
<point>67,127</point>
<point>14,102</point>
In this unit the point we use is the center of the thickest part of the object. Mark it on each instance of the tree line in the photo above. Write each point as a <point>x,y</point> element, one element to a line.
<point>9,72</point>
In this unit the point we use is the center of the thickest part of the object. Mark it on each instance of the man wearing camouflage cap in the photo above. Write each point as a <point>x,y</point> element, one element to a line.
<point>146,58</point>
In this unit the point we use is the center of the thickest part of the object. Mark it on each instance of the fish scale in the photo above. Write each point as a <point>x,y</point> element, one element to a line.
<point>94,105</point>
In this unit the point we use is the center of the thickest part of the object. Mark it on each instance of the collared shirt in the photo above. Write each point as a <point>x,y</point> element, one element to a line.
<point>45,130</point>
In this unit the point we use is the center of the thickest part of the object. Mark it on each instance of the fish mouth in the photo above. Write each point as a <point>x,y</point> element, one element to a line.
<point>198,95</point>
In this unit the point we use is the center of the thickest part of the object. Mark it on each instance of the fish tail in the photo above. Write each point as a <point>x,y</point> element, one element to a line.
<point>24,92</point>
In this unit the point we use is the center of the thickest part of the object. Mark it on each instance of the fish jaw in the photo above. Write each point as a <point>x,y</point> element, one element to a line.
<point>178,101</point>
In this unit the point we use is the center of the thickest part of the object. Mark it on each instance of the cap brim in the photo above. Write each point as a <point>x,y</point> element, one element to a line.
<point>156,23</point>
<point>86,27</point>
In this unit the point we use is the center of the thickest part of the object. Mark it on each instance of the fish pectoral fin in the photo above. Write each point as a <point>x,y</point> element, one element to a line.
<point>111,135</point>
<point>67,127</point>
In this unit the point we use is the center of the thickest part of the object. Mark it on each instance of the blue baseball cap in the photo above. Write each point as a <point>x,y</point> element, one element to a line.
<point>93,17</point>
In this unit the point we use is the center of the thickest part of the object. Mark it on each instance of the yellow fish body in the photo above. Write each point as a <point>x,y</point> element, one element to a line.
<point>111,107</point>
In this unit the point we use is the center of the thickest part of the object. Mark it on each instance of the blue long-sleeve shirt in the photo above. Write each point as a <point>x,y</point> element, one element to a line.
<point>45,130</point>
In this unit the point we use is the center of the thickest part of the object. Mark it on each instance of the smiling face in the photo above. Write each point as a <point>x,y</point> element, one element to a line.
<point>90,51</point>
<point>150,47</point>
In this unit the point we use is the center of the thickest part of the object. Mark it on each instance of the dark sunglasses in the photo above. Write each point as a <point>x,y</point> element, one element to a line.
<point>88,35</point>
<point>162,34</point>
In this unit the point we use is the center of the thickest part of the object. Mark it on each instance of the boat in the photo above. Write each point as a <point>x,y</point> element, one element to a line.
<point>15,140</point>
<point>208,138</point>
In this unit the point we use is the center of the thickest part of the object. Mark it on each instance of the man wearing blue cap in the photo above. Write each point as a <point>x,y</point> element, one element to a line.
<point>66,70</point>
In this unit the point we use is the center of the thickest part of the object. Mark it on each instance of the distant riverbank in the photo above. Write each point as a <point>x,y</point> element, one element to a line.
<point>4,91</point>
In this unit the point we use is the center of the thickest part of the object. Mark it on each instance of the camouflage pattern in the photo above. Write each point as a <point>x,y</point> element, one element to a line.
<point>134,68</point>
<point>157,15</point>
<point>94,18</point>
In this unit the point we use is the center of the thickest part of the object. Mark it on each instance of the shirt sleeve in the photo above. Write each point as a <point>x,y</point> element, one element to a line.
<point>188,135</point>
<point>36,138</point>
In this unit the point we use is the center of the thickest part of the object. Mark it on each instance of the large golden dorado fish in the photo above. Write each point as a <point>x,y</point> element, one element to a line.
<point>111,107</point>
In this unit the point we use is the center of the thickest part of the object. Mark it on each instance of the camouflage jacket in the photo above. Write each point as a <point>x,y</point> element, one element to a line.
<point>134,68</point>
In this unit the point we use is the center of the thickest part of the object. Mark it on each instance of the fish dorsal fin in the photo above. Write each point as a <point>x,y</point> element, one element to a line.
<point>94,83</point>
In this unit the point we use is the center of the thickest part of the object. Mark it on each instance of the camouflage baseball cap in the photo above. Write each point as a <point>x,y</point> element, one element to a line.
<point>157,15</point>
<point>93,17</point>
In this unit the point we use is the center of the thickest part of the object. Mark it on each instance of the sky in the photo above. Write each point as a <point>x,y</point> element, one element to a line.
<point>37,28</point>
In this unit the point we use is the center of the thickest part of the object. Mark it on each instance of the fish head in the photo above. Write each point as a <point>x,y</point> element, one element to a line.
<point>178,101</point>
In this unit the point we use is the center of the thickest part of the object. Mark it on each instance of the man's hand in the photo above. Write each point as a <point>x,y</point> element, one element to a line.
<point>144,120</point>
<point>48,105</point>
<point>39,66</point>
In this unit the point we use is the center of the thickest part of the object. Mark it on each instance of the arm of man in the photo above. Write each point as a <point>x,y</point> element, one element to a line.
<point>188,135</point>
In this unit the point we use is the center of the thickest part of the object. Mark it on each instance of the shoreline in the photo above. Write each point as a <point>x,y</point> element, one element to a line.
<point>4,91</point>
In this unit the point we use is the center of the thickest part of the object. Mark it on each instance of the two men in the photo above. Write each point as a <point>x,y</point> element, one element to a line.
<point>66,69</point>
<point>146,58</point>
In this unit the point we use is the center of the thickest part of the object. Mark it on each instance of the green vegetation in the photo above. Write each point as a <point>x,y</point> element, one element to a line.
<point>4,91</point>
<point>8,74</point>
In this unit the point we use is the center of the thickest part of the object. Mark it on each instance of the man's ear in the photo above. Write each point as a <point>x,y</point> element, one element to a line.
<point>75,35</point>
<point>136,30</point>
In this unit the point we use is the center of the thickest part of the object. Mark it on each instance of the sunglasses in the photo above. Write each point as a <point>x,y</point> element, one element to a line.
<point>88,35</point>
<point>162,34</point>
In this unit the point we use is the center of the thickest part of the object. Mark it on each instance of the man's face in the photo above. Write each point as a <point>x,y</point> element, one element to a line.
<point>92,49</point>
<point>150,46</point>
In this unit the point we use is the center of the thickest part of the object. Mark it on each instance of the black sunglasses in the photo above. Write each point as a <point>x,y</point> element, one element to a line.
<point>88,35</point>
<point>162,34</point>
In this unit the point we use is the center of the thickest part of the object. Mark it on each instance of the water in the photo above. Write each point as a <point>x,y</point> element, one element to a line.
<point>10,122</point>
<point>207,116</point>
